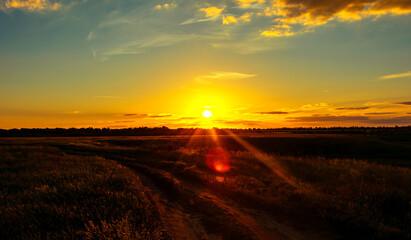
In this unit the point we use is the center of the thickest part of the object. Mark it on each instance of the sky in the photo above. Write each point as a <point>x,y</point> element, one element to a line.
<point>251,63</point>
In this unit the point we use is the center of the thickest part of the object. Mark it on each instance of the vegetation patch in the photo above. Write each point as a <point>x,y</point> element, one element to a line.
<point>46,194</point>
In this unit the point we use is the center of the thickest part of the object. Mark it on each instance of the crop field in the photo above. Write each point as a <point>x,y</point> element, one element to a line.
<point>234,186</point>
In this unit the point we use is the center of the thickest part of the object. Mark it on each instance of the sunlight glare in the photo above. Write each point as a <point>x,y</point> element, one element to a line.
<point>207,114</point>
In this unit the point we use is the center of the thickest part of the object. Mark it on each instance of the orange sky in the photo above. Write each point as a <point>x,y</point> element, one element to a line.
<point>252,63</point>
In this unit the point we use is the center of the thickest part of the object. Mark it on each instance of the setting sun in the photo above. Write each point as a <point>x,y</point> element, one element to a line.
<point>207,114</point>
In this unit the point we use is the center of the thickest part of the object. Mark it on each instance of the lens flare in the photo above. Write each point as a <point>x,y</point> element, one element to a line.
<point>218,159</point>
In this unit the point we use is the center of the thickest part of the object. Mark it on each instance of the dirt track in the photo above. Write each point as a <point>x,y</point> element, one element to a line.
<point>191,209</point>
<point>197,213</point>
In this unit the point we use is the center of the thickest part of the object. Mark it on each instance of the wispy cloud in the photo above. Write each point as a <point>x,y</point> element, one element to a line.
<point>315,106</point>
<point>239,25</point>
<point>402,120</point>
<point>147,115</point>
<point>397,75</point>
<point>326,118</point>
<point>205,79</point>
<point>350,120</point>
<point>273,113</point>
<point>380,113</point>
<point>137,115</point>
<point>352,108</point>
<point>159,115</point>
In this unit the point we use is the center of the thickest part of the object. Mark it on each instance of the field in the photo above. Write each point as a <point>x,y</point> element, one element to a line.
<point>282,185</point>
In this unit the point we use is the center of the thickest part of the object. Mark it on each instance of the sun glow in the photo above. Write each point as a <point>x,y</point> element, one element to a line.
<point>207,114</point>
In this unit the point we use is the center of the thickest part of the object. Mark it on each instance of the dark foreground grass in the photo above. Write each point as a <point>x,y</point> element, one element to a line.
<point>48,195</point>
<point>45,193</point>
<point>360,199</point>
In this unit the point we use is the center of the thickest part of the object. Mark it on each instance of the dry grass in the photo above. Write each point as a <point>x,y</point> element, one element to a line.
<point>372,199</point>
<point>48,195</point>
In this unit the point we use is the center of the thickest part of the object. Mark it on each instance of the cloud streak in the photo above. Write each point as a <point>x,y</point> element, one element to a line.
<point>352,108</point>
<point>240,25</point>
<point>205,79</point>
<point>273,113</point>
<point>326,118</point>
<point>403,103</point>
<point>397,75</point>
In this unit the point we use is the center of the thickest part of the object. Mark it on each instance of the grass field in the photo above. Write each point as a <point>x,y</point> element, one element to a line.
<point>286,186</point>
<point>47,194</point>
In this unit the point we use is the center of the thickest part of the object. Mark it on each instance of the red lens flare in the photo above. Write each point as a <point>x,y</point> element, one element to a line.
<point>218,159</point>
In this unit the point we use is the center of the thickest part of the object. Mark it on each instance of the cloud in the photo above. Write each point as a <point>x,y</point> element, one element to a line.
<point>352,108</point>
<point>326,118</point>
<point>350,120</point>
<point>239,25</point>
<point>223,76</point>
<point>310,13</point>
<point>212,11</point>
<point>135,115</point>
<point>403,103</point>
<point>315,106</point>
<point>380,113</point>
<point>249,2</point>
<point>145,115</point>
<point>397,75</point>
<point>30,5</point>
<point>116,33</point>
<point>165,6</point>
<point>229,20</point>
<point>403,120</point>
<point>272,113</point>
<point>277,33</point>
<point>159,115</point>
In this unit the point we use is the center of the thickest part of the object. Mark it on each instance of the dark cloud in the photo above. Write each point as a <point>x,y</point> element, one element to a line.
<point>403,103</point>
<point>273,113</point>
<point>325,10</point>
<point>326,118</point>
<point>147,115</point>
<point>404,120</point>
<point>352,108</point>
<point>159,116</point>
<point>380,113</point>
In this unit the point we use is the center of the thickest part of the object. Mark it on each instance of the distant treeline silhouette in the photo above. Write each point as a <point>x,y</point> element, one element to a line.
<point>165,131</point>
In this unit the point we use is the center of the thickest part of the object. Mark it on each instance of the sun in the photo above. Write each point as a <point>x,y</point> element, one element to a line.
<point>207,114</point>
